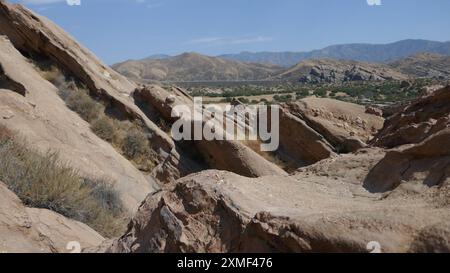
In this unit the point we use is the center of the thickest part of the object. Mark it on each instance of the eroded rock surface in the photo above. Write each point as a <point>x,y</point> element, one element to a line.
<point>414,167</point>
<point>300,143</point>
<point>338,71</point>
<point>416,121</point>
<point>222,212</point>
<point>333,127</point>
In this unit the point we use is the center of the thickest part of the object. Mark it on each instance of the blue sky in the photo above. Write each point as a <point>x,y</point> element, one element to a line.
<point>117,30</point>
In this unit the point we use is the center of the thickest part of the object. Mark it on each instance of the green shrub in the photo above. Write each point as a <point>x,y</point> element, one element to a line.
<point>104,128</point>
<point>282,98</point>
<point>44,181</point>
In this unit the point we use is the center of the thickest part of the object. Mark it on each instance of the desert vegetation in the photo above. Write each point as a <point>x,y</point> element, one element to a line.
<point>386,92</point>
<point>43,180</point>
<point>127,137</point>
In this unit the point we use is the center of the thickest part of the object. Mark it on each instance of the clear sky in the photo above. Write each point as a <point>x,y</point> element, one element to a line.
<point>117,30</point>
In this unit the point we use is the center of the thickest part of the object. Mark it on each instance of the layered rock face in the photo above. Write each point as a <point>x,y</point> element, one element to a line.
<point>314,129</point>
<point>339,71</point>
<point>425,65</point>
<point>25,229</point>
<point>426,164</point>
<point>396,198</point>
<point>417,121</point>
<point>35,35</point>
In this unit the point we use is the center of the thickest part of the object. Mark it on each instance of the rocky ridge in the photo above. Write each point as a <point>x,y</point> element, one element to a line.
<point>424,65</point>
<point>340,71</point>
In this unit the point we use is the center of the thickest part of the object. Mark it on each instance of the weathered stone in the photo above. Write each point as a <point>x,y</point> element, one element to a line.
<point>29,230</point>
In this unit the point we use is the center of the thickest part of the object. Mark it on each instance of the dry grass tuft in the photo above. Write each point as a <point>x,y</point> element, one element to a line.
<point>44,181</point>
<point>128,138</point>
<point>80,102</point>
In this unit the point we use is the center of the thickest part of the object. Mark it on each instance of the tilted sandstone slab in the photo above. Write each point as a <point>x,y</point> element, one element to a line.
<point>42,117</point>
<point>30,230</point>
<point>299,143</point>
<point>416,121</point>
<point>36,36</point>
<point>33,33</point>
<point>314,129</point>
<point>337,121</point>
<point>414,167</point>
<point>220,154</point>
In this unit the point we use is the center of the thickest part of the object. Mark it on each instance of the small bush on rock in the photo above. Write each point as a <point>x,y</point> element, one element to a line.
<point>104,128</point>
<point>44,181</point>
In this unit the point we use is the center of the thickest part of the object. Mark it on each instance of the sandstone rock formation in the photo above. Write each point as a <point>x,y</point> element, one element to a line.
<point>426,164</point>
<point>396,198</point>
<point>29,230</point>
<point>41,116</point>
<point>220,154</point>
<point>339,71</point>
<point>416,121</point>
<point>342,126</point>
<point>424,65</point>
<point>37,36</point>
<point>40,40</point>
<point>300,143</point>
<point>222,212</point>
<point>350,190</point>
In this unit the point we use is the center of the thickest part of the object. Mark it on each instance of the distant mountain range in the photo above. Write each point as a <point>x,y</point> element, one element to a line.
<point>380,53</point>
<point>408,58</point>
<point>194,67</point>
